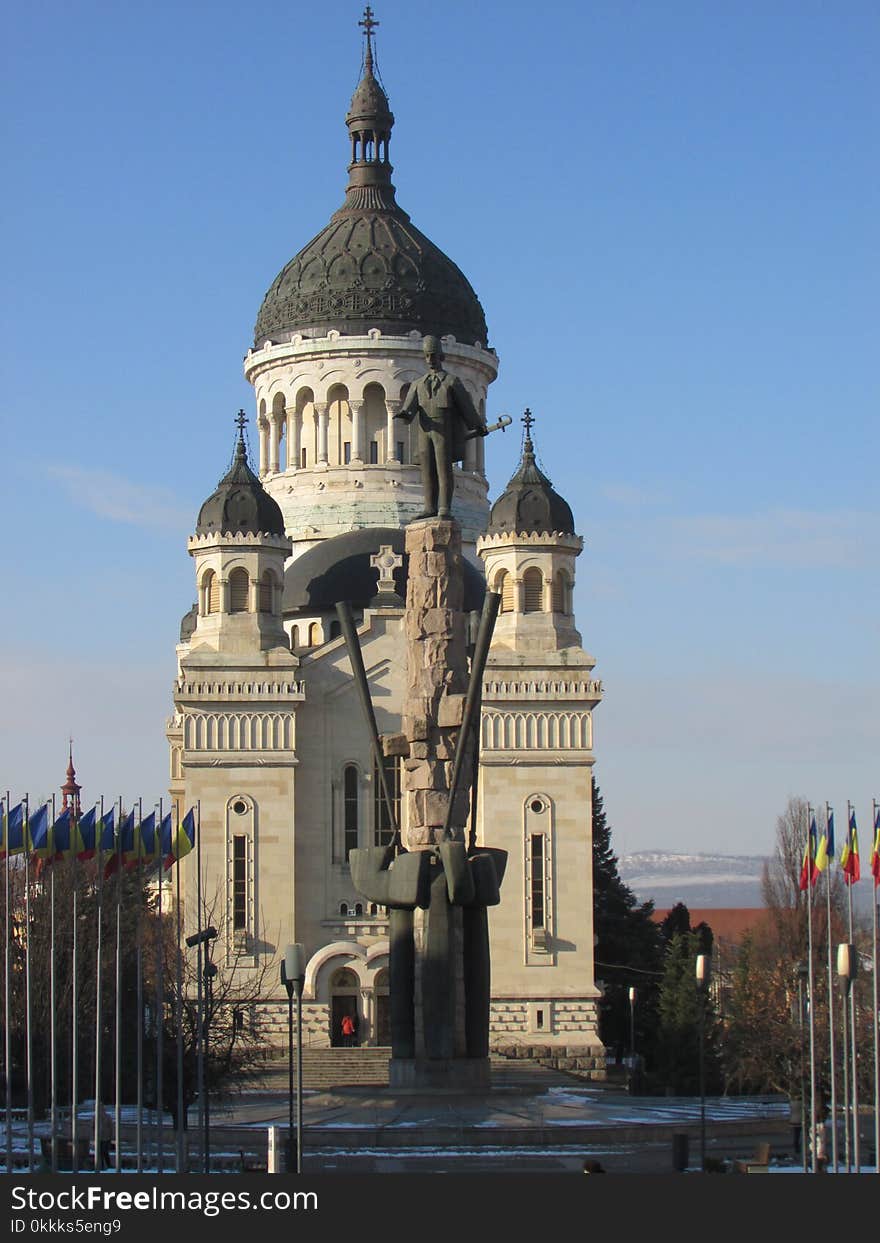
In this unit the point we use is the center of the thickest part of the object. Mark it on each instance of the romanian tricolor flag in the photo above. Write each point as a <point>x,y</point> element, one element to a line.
<point>40,833</point>
<point>67,840</point>
<point>124,846</point>
<point>180,840</point>
<point>849,856</point>
<point>149,841</point>
<point>87,831</point>
<point>808,867</point>
<point>825,853</point>
<point>875,849</point>
<point>14,832</point>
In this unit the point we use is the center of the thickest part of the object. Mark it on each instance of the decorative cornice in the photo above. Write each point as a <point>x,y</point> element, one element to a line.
<point>238,539</point>
<point>584,690</point>
<point>500,541</point>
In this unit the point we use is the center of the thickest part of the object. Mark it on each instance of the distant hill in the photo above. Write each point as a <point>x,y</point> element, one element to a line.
<point>697,880</point>
<point>707,880</point>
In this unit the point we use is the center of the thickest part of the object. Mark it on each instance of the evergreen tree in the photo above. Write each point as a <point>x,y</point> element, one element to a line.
<point>628,947</point>
<point>679,1015</point>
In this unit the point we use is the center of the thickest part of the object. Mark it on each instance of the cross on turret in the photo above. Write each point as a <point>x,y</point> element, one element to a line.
<point>528,420</point>
<point>369,26</point>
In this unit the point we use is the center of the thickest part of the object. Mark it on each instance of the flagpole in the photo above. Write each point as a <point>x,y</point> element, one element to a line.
<point>118,1027</point>
<point>876,983</point>
<point>74,1006</point>
<point>852,1019</point>
<point>810,989</point>
<point>200,1060</point>
<point>29,1052</point>
<point>53,1048</point>
<point>847,1150</point>
<point>99,840</point>
<point>829,855</point>
<point>7,950</point>
<point>179,1004</point>
<point>160,1008</point>
<point>139,985</point>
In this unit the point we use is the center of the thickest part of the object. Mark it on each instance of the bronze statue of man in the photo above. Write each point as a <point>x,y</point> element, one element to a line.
<point>445,412</point>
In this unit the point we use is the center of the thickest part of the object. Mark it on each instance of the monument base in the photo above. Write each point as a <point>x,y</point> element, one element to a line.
<point>455,1074</point>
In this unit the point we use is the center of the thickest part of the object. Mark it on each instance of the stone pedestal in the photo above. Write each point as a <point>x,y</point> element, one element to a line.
<point>436,893</point>
<point>437,681</point>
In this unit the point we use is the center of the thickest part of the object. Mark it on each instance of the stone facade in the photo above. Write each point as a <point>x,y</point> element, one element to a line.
<point>267,735</point>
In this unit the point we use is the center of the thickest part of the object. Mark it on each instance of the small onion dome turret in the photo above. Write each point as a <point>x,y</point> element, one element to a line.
<point>240,505</point>
<point>529,504</point>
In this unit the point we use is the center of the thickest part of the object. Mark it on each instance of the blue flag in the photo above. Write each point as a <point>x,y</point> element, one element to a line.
<point>13,832</point>
<point>87,833</point>
<point>40,833</point>
<point>107,837</point>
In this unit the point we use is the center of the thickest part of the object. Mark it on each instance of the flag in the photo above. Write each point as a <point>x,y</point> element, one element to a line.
<point>148,841</point>
<point>808,867</point>
<point>825,853</point>
<point>40,833</point>
<point>14,832</point>
<point>181,840</point>
<point>124,845</point>
<point>87,833</point>
<point>68,842</point>
<point>106,838</point>
<point>875,849</point>
<point>849,856</point>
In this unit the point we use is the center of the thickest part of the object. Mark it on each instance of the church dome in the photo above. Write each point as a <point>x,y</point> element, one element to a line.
<point>371,267</point>
<point>240,505</point>
<point>341,569</point>
<point>529,503</point>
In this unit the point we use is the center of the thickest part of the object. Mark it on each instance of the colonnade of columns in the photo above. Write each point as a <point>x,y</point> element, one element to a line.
<point>287,426</point>
<point>225,600</point>
<point>562,583</point>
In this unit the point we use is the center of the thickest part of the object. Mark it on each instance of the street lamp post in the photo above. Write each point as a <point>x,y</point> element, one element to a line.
<point>203,941</point>
<point>632,1038</point>
<point>293,978</point>
<point>802,974</point>
<point>702,971</point>
<point>847,967</point>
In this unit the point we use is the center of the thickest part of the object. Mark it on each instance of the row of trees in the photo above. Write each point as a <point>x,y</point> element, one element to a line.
<point>149,948</point>
<point>754,1017</point>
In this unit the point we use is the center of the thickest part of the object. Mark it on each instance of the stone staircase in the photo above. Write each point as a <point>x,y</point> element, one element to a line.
<point>323,1069</point>
<point>367,1066</point>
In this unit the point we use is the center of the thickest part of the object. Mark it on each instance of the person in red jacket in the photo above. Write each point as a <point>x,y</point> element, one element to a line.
<point>347,1029</point>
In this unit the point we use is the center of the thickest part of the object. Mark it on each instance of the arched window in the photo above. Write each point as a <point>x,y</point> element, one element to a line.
<point>267,582</point>
<point>350,808</point>
<point>314,634</point>
<point>238,591</point>
<point>505,587</point>
<point>294,638</point>
<point>533,590</point>
<point>335,630</point>
<point>212,593</point>
<point>559,593</point>
<point>382,830</point>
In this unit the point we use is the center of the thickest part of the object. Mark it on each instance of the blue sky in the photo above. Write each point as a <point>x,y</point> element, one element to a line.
<point>669,213</point>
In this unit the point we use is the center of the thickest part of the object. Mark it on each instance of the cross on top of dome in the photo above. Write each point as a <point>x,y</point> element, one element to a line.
<point>369,26</point>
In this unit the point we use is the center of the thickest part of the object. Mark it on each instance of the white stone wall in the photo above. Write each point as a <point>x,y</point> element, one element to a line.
<point>322,394</point>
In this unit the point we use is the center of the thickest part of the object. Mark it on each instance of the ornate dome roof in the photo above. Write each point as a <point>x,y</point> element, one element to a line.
<point>371,267</point>
<point>240,504</point>
<point>529,503</point>
<point>340,569</point>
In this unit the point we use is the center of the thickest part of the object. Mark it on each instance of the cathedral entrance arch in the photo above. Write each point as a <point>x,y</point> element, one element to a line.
<point>344,995</point>
<point>383,1009</point>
